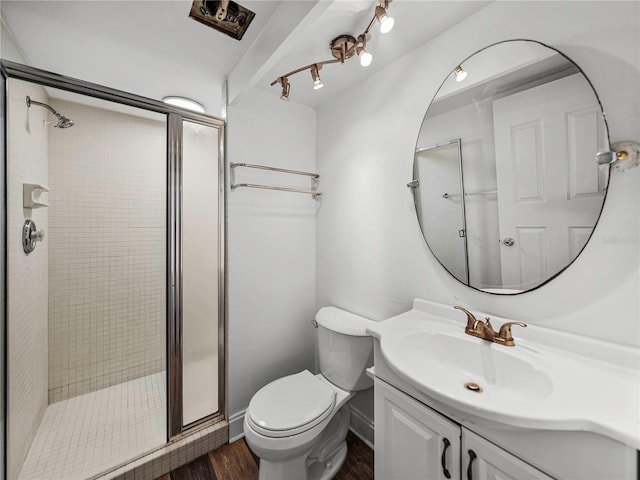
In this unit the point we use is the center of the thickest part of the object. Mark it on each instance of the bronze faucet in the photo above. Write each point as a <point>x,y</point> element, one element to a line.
<point>484,330</point>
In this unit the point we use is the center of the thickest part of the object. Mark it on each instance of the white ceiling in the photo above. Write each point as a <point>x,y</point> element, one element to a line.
<point>152,48</point>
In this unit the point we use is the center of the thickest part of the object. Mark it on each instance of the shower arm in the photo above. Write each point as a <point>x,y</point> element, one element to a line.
<point>29,102</point>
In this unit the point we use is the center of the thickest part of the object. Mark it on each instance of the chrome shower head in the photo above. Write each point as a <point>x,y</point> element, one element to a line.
<point>63,122</point>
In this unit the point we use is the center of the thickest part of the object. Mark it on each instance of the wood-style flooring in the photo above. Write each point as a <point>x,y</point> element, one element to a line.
<point>235,461</point>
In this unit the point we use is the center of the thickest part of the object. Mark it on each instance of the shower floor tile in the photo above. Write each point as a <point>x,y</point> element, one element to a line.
<point>84,436</point>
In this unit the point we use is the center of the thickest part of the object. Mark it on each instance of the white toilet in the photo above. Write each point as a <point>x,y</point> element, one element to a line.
<point>298,424</point>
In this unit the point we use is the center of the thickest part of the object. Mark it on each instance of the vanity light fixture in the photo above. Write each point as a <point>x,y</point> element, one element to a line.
<point>286,88</point>
<point>386,22</point>
<point>460,73</point>
<point>317,82</point>
<point>343,47</point>
<point>361,50</point>
<point>183,102</point>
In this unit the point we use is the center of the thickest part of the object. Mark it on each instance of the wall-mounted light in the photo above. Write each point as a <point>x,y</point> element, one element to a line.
<point>460,73</point>
<point>343,47</point>
<point>183,102</point>
<point>623,155</point>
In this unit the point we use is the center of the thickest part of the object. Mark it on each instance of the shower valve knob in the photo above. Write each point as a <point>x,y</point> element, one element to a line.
<point>30,236</point>
<point>37,236</point>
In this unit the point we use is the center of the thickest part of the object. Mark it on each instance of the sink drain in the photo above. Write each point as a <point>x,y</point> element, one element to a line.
<point>474,387</point>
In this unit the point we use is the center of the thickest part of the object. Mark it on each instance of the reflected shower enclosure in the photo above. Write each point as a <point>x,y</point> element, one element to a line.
<point>439,201</point>
<point>114,316</point>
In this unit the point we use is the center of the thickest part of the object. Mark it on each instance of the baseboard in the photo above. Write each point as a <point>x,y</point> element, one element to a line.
<point>236,426</point>
<point>363,427</point>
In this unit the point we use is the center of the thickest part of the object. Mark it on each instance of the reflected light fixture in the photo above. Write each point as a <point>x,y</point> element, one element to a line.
<point>183,102</point>
<point>460,73</point>
<point>342,48</point>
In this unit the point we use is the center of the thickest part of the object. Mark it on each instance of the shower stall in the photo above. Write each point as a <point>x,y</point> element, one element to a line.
<point>113,317</point>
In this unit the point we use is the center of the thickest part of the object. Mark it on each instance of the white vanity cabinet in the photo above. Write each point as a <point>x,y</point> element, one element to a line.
<point>482,459</point>
<point>414,442</point>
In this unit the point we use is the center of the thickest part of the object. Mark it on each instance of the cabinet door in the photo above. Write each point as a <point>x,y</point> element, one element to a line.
<point>412,441</point>
<point>484,460</point>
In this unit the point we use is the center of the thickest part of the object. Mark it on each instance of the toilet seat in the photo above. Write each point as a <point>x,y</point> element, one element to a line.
<point>290,405</point>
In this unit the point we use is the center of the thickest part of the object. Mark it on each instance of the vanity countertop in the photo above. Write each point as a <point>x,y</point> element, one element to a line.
<point>550,380</point>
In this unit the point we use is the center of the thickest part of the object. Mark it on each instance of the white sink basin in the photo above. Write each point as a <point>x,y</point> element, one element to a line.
<point>460,360</point>
<point>549,380</point>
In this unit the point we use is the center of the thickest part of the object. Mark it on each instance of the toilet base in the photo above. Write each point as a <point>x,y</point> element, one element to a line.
<point>299,470</point>
<point>327,469</point>
<point>321,462</point>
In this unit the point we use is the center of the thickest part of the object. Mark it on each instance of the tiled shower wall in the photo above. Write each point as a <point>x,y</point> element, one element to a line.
<point>107,240</point>
<point>26,274</point>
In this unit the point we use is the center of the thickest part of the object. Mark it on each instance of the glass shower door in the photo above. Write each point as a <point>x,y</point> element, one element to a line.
<point>201,271</point>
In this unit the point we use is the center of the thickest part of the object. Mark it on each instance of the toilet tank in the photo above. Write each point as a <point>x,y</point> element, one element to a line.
<point>344,349</point>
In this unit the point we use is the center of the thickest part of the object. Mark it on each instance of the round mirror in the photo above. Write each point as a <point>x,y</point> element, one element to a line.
<point>506,184</point>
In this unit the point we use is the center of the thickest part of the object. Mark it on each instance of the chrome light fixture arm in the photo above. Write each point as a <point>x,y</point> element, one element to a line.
<point>342,48</point>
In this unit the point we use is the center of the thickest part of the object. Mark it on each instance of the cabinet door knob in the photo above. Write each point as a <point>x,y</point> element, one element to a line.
<point>443,459</point>
<point>472,457</point>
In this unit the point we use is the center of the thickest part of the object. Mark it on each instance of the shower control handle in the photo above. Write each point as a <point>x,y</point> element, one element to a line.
<point>30,236</point>
<point>37,236</point>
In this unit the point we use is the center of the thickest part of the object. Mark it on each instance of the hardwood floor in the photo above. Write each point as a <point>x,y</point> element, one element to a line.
<point>236,461</point>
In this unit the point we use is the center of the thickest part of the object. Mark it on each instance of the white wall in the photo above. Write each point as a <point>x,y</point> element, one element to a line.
<point>371,257</point>
<point>27,288</point>
<point>8,48</point>
<point>107,239</point>
<point>271,248</point>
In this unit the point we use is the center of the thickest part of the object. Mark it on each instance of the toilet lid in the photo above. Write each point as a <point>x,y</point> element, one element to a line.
<point>290,405</point>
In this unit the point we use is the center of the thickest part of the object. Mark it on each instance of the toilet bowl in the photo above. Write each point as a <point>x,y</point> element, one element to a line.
<point>298,424</point>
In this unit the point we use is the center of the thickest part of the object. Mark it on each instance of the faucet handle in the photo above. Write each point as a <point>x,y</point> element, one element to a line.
<point>487,322</point>
<point>505,333</point>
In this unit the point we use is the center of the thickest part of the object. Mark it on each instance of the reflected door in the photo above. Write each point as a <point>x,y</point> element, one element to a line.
<point>546,142</point>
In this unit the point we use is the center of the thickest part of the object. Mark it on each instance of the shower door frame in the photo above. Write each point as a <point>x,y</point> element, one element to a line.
<point>175,117</point>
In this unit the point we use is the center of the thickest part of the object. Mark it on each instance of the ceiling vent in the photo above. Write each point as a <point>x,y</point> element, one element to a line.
<point>225,16</point>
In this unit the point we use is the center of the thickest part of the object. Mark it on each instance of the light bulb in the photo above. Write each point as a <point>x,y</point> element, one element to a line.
<point>386,24</point>
<point>317,83</point>
<point>460,73</point>
<point>365,57</point>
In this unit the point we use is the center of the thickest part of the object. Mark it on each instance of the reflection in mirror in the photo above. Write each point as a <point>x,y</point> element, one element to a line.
<point>442,167</point>
<point>514,200</point>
